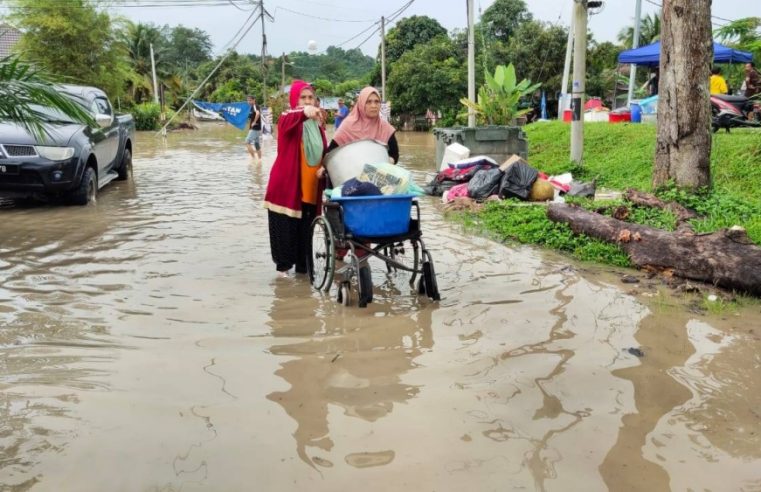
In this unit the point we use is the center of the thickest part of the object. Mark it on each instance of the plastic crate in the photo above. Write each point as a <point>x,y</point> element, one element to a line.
<point>376,216</point>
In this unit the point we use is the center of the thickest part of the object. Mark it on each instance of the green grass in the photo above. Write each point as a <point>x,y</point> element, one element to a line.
<point>620,157</point>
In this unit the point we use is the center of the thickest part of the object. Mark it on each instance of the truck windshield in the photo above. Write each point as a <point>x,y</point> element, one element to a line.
<point>53,115</point>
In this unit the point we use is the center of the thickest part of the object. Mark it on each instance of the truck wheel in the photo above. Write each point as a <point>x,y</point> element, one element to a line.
<point>126,168</point>
<point>87,190</point>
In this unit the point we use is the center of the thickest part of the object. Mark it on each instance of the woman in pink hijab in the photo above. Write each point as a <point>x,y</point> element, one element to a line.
<point>364,123</point>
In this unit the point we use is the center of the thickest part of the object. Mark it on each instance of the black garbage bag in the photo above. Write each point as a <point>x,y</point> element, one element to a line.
<point>484,183</point>
<point>517,181</point>
<point>437,188</point>
<point>355,187</point>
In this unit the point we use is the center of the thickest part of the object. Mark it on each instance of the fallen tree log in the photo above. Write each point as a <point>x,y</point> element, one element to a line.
<point>726,258</point>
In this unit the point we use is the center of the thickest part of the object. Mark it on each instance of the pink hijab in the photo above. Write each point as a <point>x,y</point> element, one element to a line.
<point>358,126</point>
<point>296,87</point>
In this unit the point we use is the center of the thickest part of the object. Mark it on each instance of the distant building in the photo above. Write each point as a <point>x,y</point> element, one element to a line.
<point>9,36</point>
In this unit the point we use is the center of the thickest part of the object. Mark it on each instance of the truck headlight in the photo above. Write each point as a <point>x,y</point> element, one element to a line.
<point>55,153</point>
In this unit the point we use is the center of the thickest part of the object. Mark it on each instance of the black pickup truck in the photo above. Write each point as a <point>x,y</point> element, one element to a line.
<point>73,160</point>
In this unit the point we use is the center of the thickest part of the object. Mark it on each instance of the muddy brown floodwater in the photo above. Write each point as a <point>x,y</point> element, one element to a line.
<point>145,344</point>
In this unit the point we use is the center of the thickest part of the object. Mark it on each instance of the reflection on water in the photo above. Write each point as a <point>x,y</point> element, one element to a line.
<point>145,342</point>
<point>356,364</point>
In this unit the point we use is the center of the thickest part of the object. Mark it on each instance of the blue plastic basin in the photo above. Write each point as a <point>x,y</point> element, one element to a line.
<point>376,216</point>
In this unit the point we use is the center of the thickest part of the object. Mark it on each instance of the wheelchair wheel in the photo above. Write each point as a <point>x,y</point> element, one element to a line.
<point>364,280</point>
<point>365,286</point>
<point>322,262</point>
<point>428,284</point>
<point>344,293</point>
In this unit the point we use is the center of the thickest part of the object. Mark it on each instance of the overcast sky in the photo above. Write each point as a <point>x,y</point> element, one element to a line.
<point>292,32</point>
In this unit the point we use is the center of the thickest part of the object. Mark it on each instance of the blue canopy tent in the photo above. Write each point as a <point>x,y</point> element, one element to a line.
<point>650,55</point>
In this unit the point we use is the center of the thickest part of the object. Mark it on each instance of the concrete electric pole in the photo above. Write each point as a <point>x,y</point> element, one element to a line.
<point>383,59</point>
<point>579,76</point>
<point>155,83</point>
<point>264,53</point>
<point>635,44</point>
<point>566,71</point>
<point>471,65</point>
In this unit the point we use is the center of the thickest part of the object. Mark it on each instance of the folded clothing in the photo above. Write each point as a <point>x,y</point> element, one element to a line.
<point>473,161</point>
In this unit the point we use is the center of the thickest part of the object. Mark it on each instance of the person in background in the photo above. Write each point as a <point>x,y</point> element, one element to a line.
<point>364,123</point>
<point>652,84</point>
<point>752,80</point>
<point>294,190</point>
<point>342,113</point>
<point>254,130</point>
<point>323,112</point>
<point>717,83</point>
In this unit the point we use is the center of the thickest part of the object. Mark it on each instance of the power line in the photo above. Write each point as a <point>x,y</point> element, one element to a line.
<point>321,18</point>
<point>62,5</point>
<point>229,52</point>
<point>358,34</point>
<point>389,19</point>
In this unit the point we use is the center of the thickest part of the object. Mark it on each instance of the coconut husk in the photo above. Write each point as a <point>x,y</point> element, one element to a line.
<point>541,191</point>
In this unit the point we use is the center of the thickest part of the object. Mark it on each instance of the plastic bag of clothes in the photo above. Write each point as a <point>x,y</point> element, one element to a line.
<point>450,177</point>
<point>391,179</point>
<point>484,183</point>
<point>355,187</point>
<point>517,181</point>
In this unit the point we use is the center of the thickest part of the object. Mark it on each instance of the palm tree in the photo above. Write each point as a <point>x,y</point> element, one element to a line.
<point>649,31</point>
<point>138,38</point>
<point>23,88</point>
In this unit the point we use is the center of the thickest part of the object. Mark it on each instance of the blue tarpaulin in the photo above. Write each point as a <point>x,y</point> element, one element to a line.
<point>650,55</point>
<point>235,113</point>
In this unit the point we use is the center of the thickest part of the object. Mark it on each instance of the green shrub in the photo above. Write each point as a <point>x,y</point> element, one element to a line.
<point>146,116</point>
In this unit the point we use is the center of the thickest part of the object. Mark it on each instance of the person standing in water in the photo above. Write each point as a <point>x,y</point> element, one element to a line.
<point>254,130</point>
<point>294,191</point>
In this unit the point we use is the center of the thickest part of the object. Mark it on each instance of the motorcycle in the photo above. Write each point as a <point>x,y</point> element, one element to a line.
<point>734,112</point>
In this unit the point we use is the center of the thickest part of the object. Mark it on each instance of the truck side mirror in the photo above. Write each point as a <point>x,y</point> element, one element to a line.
<point>103,120</point>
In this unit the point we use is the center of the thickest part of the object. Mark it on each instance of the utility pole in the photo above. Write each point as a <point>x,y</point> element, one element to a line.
<point>155,83</point>
<point>635,44</point>
<point>264,53</point>
<point>579,76</point>
<point>471,65</point>
<point>383,58</point>
<point>282,72</point>
<point>566,72</point>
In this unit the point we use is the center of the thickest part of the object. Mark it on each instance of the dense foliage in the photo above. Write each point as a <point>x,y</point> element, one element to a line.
<point>426,66</point>
<point>93,54</point>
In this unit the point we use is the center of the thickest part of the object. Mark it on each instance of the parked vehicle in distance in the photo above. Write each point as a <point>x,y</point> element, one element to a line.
<point>72,160</point>
<point>733,112</point>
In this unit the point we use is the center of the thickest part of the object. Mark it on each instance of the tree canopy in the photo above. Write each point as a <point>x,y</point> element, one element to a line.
<point>410,32</point>
<point>503,18</point>
<point>430,76</point>
<point>87,36</point>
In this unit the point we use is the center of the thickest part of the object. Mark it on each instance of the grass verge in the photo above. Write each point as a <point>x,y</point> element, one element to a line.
<point>620,157</point>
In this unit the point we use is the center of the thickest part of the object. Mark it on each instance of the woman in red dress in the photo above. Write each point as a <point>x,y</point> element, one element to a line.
<point>294,190</point>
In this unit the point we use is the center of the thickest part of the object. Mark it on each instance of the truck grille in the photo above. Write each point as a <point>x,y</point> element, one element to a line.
<point>18,150</point>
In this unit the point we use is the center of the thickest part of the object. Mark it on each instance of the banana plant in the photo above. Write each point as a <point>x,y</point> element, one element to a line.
<point>499,97</point>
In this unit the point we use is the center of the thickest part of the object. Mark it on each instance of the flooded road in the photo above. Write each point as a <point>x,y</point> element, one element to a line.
<point>146,344</point>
